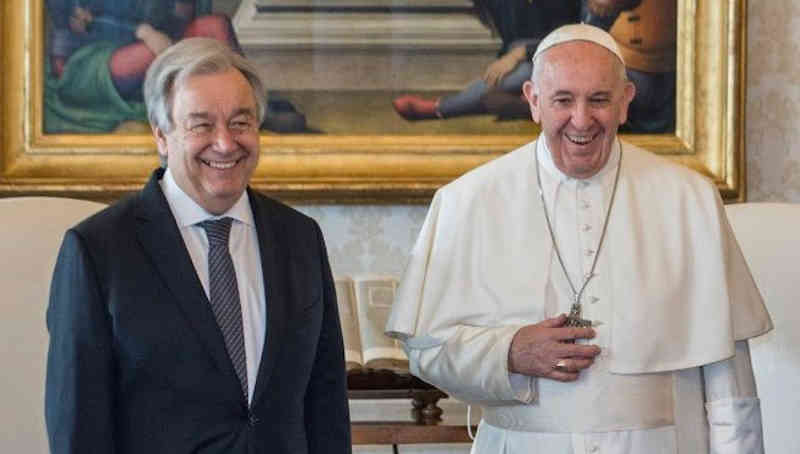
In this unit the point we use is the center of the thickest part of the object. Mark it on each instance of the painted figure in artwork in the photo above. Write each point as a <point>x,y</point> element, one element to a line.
<point>646,32</point>
<point>99,52</point>
<point>520,24</point>
<point>645,29</point>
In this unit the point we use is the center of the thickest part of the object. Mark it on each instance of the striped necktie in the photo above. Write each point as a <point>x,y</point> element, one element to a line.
<point>224,294</point>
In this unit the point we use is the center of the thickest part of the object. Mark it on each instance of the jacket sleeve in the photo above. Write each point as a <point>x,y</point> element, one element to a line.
<point>79,387</point>
<point>326,406</point>
<point>733,408</point>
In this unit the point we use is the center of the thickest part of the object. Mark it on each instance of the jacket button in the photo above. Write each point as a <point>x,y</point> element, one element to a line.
<point>252,419</point>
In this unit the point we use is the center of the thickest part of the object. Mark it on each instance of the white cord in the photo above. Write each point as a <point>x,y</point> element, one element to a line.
<point>469,423</point>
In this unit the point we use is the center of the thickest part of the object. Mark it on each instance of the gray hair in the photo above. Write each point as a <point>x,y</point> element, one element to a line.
<point>192,57</point>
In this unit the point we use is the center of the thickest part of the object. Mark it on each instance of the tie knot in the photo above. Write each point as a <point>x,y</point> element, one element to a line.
<point>217,230</point>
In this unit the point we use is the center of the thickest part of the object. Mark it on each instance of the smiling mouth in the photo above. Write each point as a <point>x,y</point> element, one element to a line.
<point>581,139</point>
<point>221,165</point>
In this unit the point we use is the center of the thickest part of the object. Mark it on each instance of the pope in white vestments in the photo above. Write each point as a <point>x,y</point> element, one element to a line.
<point>642,246</point>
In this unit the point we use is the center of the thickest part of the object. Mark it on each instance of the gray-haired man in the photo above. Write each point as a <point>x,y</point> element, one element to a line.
<point>197,315</point>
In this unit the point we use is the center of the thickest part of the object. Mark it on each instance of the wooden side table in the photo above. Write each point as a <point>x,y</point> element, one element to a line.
<point>426,414</point>
<point>402,433</point>
<point>386,384</point>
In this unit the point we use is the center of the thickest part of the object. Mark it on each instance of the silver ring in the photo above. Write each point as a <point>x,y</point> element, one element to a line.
<point>561,365</point>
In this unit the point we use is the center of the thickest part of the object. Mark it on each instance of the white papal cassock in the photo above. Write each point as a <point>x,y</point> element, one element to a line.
<point>671,294</point>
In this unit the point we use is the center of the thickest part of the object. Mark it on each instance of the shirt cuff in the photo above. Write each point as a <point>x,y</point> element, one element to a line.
<point>735,426</point>
<point>523,387</point>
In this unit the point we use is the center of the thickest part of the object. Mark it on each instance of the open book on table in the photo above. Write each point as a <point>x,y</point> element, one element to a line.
<point>364,306</point>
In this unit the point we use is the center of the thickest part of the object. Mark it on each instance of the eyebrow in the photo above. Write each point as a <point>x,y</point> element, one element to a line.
<point>198,116</point>
<point>607,93</point>
<point>205,115</point>
<point>243,111</point>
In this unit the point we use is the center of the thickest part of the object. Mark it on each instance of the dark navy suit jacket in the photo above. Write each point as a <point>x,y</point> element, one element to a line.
<point>137,363</point>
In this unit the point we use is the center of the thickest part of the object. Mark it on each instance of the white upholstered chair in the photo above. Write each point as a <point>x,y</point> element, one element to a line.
<point>30,235</point>
<point>769,235</point>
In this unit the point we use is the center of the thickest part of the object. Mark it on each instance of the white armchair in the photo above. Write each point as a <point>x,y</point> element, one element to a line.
<point>30,234</point>
<point>769,235</point>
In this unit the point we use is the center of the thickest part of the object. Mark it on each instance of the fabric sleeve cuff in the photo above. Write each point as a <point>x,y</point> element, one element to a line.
<point>735,426</point>
<point>523,387</point>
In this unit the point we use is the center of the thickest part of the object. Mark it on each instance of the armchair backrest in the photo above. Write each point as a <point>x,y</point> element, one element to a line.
<point>30,235</point>
<point>769,235</point>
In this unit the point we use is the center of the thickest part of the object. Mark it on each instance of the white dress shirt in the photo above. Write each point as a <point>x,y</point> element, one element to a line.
<point>244,249</point>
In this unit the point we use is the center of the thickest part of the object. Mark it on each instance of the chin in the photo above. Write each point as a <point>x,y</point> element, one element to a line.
<point>225,191</point>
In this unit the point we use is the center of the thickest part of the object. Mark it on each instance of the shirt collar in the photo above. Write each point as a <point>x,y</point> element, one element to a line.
<point>187,212</point>
<point>549,167</point>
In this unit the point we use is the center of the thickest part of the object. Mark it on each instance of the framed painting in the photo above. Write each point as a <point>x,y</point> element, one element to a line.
<point>349,81</point>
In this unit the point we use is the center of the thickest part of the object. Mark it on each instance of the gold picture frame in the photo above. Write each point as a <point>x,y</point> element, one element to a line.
<point>709,135</point>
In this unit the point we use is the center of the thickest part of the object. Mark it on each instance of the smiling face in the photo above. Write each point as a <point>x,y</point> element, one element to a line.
<point>213,147</point>
<point>579,98</point>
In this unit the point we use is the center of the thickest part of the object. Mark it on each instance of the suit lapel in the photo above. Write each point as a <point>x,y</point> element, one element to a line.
<point>273,264</point>
<point>160,238</point>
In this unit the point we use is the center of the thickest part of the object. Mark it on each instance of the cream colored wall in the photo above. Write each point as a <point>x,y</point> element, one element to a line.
<point>378,238</point>
<point>773,101</point>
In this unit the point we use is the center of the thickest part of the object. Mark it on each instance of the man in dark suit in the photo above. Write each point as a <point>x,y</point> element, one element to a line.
<point>197,316</point>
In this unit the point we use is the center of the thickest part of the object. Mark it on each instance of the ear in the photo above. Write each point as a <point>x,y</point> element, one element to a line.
<point>531,93</point>
<point>161,141</point>
<point>629,91</point>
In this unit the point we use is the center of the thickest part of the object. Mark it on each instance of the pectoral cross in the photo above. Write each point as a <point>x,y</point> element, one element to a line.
<point>574,317</point>
<point>574,320</point>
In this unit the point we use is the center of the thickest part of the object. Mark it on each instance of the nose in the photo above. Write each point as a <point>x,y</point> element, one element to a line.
<point>581,116</point>
<point>224,140</point>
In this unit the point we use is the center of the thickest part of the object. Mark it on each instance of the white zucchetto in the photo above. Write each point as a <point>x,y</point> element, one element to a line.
<point>578,32</point>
